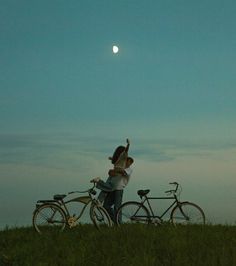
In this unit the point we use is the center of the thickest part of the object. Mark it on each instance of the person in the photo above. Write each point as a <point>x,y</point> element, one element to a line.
<point>113,199</point>
<point>120,155</point>
<point>117,180</point>
<point>119,160</point>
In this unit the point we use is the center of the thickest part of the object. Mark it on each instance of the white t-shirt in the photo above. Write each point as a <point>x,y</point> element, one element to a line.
<point>120,182</point>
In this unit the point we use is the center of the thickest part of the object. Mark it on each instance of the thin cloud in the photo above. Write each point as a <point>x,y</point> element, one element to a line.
<point>67,150</point>
<point>168,150</point>
<point>55,151</point>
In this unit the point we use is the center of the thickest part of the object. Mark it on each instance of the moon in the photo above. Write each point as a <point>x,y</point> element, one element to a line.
<point>115,49</point>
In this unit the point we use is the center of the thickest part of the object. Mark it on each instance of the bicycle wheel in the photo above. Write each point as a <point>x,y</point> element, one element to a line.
<point>132,212</point>
<point>100,217</point>
<point>49,217</point>
<point>187,213</point>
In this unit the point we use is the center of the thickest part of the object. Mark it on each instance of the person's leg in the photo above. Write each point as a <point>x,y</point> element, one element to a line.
<point>108,203</point>
<point>118,196</point>
<point>102,195</point>
<point>105,186</point>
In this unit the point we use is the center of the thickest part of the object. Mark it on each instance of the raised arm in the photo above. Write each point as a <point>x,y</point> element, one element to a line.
<point>119,150</point>
<point>127,146</point>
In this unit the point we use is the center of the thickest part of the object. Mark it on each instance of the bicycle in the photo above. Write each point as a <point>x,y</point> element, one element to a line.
<point>180,212</point>
<point>55,215</point>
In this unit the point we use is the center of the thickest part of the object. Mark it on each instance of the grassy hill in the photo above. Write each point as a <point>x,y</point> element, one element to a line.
<point>129,245</point>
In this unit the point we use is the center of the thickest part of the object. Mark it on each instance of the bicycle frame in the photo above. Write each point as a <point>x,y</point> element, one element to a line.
<point>179,211</point>
<point>57,213</point>
<point>151,212</point>
<point>86,200</point>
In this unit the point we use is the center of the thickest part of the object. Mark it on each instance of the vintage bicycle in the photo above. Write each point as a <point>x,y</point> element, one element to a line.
<point>55,214</point>
<point>181,212</point>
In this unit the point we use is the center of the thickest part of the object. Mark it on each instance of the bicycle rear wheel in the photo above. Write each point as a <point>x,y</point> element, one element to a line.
<point>100,217</point>
<point>132,212</point>
<point>49,217</point>
<point>187,213</point>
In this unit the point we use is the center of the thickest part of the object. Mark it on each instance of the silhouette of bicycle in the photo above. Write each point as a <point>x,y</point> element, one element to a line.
<point>141,212</point>
<point>54,215</point>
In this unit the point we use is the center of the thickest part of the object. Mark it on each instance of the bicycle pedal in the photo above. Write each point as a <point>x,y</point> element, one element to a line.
<point>71,222</point>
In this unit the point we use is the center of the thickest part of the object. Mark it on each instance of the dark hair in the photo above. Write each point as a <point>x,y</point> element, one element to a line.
<point>117,154</point>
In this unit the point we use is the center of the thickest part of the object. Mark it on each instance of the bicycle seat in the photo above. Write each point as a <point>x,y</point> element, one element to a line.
<point>143,192</point>
<point>59,196</point>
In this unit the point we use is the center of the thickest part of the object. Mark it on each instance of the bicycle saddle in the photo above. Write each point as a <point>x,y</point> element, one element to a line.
<point>143,192</point>
<point>59,197</point>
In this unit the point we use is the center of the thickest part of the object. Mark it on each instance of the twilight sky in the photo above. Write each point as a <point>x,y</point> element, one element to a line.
<point>66,101</point>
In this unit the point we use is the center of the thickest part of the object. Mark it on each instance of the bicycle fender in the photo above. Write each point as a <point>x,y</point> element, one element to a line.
<point>183,202</point>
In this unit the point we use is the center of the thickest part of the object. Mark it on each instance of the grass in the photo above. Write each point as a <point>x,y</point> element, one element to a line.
<point>129,245</point>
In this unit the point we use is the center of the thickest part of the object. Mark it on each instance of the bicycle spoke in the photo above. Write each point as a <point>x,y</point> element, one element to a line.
<point>100,217</point>
<point>49,217</point>
<point>132,212</point>
<point>46,216</point>
<point>188,213</point>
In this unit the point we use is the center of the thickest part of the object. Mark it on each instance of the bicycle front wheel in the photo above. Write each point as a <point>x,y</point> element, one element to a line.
<point>49,217</point>
<point>132,212</point>
<point>100,217</point>
<point>187,213</point>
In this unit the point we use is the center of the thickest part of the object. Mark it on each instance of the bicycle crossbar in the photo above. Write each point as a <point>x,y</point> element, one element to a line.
<point>161,198</point>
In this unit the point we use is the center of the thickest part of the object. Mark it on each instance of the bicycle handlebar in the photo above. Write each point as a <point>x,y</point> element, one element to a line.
<point>173,190</point>
<point>88,190</point>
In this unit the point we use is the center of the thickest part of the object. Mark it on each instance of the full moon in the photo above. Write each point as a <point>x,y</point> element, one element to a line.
<point>115,49</point>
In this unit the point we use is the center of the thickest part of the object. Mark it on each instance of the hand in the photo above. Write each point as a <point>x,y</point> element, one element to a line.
<point>111,172</point>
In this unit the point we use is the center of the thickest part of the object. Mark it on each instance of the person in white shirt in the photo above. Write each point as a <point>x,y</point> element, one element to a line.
<point>117,180</point>
<point>112,190</point>
<point>119,159</point>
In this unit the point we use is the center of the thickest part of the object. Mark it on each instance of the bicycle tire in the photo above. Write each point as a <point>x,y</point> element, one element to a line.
<point>49,217</point>
<point>100,217</point>
<point>132,212</point>
<point>187,213</point>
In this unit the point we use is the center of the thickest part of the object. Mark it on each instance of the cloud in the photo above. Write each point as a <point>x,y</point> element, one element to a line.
<point>160,150</point>
<point>72,151</point>
<point>37,165</point>
<point>61,151</point>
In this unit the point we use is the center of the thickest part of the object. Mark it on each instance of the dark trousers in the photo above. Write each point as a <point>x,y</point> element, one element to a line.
<point>112,203</point>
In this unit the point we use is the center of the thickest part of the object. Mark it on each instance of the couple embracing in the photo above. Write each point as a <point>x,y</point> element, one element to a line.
<point>112,189</point>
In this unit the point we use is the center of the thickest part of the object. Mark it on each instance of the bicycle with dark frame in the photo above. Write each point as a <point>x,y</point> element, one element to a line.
<point>181,212</point>
<point>55,214</point>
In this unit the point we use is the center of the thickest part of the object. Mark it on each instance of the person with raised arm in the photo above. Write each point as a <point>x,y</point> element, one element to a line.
<point>112,189</point>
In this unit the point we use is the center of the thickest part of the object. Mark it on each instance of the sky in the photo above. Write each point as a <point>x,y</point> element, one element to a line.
<point>67,101</point>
